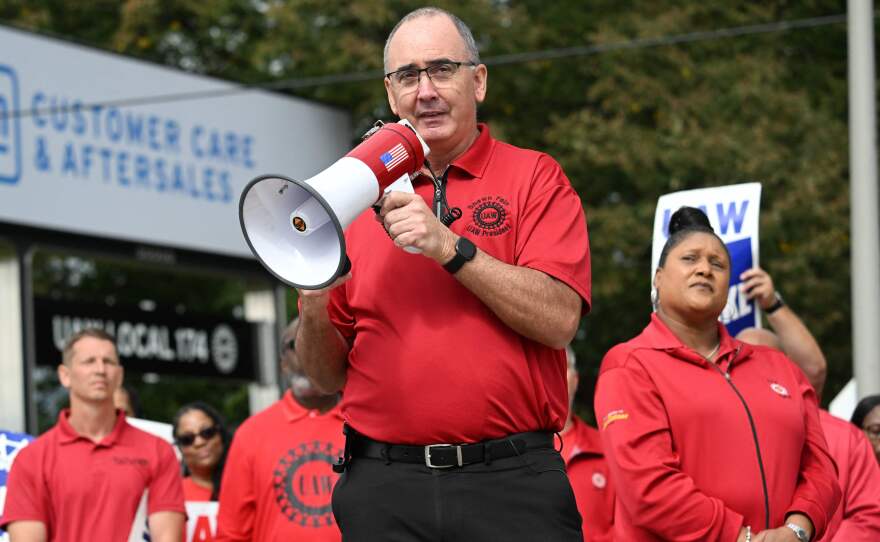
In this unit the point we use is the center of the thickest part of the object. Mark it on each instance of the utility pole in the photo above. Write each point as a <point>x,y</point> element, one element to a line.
<point>865,228</point>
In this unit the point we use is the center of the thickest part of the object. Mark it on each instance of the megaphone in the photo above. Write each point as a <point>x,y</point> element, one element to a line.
<point>295,228</point>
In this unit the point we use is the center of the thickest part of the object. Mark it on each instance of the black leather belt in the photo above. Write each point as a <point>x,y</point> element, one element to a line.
<point>442,456</point>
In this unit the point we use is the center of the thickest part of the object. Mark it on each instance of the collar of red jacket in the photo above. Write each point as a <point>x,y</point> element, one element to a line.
<point>659,337</point>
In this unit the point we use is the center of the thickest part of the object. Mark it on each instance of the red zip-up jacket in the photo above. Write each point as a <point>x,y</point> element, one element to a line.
<point>698,450</point>
<point>858,517</point>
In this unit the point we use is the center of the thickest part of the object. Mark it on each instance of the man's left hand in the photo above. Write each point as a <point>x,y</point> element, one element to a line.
<point>410,222</point>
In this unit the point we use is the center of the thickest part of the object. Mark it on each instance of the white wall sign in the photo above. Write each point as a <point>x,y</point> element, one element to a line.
<point>165,173</point>
<point>733,212</point>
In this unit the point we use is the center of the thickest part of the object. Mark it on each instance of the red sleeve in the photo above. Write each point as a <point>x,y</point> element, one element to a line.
<point>166,488</point>
<point>238,499</point>
<point>655,494</point>
<point>861,502</point>
<point>817,494</point>
<point>26,496</point>
<point>552,232</point>
<point>340,312</point>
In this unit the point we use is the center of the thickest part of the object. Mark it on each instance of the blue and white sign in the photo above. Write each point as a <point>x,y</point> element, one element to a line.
<point>733,212</point>
<point>80,153</point>
<point>10,444</point>
<point>10,141</point>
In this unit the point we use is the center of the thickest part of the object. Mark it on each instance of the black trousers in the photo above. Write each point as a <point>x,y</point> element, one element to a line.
<point>525,498</point>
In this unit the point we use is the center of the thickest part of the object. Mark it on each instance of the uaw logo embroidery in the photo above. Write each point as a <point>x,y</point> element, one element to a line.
<point>303,482</point>
<point>490,216</point>
<point>599,480</point>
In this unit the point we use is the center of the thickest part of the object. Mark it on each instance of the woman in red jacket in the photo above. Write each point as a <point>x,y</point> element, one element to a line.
<point>708,438</point>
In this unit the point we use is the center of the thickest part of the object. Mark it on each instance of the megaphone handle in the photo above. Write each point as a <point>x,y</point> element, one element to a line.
<point>409,248</point>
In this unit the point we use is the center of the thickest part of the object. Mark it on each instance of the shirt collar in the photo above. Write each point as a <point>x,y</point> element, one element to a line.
<point>476,158</point>
<point>659,337</point>
<point>69,434</point>
<point>293,411</point>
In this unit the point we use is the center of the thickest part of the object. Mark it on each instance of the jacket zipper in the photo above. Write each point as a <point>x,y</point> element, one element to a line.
<point>726,375</point>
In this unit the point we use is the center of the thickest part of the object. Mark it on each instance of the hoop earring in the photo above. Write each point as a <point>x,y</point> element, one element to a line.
<point>655,299</point>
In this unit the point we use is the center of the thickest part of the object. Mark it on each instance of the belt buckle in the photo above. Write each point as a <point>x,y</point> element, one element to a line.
<point>428,455</point>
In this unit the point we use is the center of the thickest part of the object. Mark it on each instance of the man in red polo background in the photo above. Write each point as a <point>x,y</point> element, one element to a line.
<point>279,476</point>
<point>451,360</point>
<point>587,469</point>
<point>84,478</point>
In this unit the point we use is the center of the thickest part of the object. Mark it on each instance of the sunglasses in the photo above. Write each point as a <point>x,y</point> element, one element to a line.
<point>188,439</point>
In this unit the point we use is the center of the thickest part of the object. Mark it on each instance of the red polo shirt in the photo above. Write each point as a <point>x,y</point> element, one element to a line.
<point>278,478</point>
<point>588,473</point>
<point>430,363</point>
<point>85,490</point>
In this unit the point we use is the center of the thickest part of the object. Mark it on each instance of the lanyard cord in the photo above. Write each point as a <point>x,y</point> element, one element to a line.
<point>441,207</point>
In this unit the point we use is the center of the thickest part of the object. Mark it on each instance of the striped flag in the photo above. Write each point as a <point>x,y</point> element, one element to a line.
<point>395,156</point>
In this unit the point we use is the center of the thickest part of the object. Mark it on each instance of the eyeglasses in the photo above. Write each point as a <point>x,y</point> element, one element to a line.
<point>188,439</point>
<point>873,431</point>
<point>440,73</point>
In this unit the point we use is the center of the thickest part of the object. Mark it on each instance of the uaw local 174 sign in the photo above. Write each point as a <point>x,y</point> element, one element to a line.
<point>733,211</point>
<point>156,342</point>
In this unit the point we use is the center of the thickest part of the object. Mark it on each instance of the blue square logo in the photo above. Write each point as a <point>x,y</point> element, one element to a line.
<point>10,134</point>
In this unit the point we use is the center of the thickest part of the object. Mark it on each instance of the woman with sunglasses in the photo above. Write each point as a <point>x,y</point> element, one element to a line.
<point>200,433</point>
<point>709,438</point>
<point>866,417</point>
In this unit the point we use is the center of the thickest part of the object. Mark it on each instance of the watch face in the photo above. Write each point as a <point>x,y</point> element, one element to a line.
<point>466,248</point>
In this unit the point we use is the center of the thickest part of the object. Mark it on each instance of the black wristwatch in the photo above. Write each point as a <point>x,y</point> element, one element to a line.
<point>465,251</point>
<point>776,306</point>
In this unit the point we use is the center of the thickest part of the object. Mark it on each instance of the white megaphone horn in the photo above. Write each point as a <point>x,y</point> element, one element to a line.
<point>295,228</point>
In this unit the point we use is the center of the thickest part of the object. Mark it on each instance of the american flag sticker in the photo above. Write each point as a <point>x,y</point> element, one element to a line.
<point>395,156</point>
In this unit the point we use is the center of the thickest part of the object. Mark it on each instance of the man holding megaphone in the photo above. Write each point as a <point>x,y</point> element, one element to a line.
<point>451,360</point>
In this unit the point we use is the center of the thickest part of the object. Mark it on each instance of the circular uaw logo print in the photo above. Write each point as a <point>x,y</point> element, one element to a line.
<point>490,216</point>
<point>599,480</point>
<point>303,482</point>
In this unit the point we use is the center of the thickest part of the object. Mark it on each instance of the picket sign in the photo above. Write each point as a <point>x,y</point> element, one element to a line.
<point>733,212</point>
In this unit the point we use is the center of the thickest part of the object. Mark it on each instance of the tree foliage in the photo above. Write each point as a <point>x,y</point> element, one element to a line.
<point>627,125</point>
